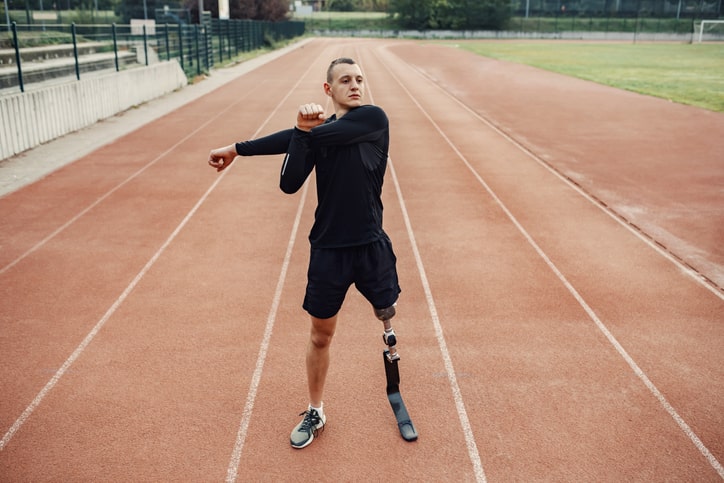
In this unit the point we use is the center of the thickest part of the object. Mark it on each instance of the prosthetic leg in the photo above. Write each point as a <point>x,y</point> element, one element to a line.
<point>391,357</point>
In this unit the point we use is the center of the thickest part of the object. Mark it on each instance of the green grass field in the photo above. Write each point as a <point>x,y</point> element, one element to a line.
<point>686,73</point>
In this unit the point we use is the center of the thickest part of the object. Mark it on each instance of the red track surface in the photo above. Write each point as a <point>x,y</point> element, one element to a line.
<point>560,252</point>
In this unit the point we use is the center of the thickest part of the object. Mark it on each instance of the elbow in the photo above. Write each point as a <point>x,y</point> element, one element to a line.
<point>288,187</point>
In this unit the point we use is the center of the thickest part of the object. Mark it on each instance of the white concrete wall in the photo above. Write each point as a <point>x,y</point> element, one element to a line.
<point>34,117</point>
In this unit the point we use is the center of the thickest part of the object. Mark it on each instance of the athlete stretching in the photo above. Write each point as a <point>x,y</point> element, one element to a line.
<point>348,245</point>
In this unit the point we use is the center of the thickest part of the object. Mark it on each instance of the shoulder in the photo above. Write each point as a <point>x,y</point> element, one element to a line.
<point>371,109</point>
<point>369,112</point>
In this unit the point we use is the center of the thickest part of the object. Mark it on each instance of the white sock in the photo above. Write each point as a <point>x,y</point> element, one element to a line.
<point>320,409</point>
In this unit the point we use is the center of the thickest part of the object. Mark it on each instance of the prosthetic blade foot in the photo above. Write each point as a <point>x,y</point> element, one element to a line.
<point>404,423</point>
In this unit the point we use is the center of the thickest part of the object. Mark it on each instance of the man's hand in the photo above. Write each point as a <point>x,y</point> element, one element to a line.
<point>221,158</point>
<point>309,116</point>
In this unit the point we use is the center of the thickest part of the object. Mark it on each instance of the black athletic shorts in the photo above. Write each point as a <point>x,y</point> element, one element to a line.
<point>331,271</point>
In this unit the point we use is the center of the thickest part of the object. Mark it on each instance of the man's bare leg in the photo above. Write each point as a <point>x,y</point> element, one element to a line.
<point>320,340</point>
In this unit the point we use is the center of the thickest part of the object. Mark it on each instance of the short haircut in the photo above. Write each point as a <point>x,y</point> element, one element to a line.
<point>341,60</point>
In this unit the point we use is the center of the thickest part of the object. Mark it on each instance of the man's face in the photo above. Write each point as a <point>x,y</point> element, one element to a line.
<point>347,86</point>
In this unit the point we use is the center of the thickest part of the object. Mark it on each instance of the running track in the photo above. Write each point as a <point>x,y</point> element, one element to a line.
<point>560,252</point>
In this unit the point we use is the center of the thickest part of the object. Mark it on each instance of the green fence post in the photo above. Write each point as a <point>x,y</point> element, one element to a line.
<point>636,27</point>
<point>75,51</point>
<point>228,37</point>
<point>145,44</point>
<point>236,37</point>
<point>17,56</point>
<point>168,49</point>
<point>221,42</point>
<point>198,50</point>
<point>207,55</point>
<point>181,47</point>
<point>115,45</point>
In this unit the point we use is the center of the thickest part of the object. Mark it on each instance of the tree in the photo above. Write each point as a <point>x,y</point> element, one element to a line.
<point>269,10</point>
<point>412,14</point>
<point>341,5</point>
<point>356,5</point>
<point>451,14</point>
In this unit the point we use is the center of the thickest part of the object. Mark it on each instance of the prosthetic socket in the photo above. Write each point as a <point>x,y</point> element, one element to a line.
<point>389,335</point>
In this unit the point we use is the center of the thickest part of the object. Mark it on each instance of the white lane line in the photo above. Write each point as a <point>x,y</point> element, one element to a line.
<point>116,188</point>
<point>472,447</point>
<point>601,326</point>
<point>99,325</point>
<point>623,221</point>
<point>233,468</point>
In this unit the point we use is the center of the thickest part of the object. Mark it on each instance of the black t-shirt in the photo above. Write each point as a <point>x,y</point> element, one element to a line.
<point>349,156</point>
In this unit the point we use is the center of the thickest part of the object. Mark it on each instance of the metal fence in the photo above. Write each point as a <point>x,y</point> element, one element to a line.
<point>576,23</point>
<point>41,52</point>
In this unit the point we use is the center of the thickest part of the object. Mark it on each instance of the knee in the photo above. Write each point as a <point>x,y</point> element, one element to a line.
<point>320,340</point>
<point>385,314</point>
<point>321,333</point>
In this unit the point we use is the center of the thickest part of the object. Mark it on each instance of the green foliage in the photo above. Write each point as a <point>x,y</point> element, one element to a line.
<point>356,5</point>
<point>268,10</point>
<point>348,21</point>
<point>451,14</point>
<point>412,14</point>
<point>341,5</point>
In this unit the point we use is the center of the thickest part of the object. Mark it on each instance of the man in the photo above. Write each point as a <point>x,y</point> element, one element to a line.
<point>348,245</point>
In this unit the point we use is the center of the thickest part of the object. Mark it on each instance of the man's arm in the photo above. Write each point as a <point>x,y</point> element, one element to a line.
<point>362,124</point>
<point>298,162</point>
<point>277,143</point>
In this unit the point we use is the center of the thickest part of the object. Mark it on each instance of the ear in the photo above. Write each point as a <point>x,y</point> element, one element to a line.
<point>327,89</point>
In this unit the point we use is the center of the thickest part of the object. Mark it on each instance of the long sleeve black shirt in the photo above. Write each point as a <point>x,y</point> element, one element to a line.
<point>349,156</point>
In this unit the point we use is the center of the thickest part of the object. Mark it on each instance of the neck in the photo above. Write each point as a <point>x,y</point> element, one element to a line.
<point>340,110</point>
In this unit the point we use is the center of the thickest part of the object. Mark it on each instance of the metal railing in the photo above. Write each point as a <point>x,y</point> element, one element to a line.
<point>40,52</point>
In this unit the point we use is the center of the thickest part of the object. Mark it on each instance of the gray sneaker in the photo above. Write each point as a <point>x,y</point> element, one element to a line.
<point>305,431</point>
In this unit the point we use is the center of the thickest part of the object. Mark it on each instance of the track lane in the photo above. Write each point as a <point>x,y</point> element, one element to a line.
<point>360,421</point>
<point>654,163</point>
<point>195,157</point>
<point>651,298</point>
<point>443,112</point>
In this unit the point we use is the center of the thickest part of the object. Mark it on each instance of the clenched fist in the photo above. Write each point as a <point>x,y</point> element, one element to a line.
<point>309,116</point>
